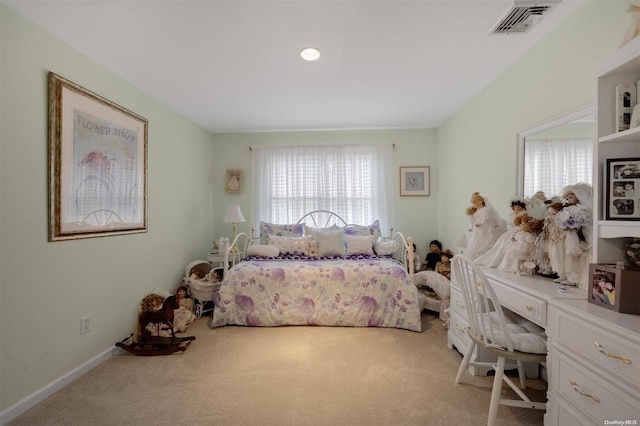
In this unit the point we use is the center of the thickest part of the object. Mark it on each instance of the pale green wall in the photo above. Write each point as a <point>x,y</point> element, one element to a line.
<point>415,216</point>
<point>46,287</point>
<point>477,147</point>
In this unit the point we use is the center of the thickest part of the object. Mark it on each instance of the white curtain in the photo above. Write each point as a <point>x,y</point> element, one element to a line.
<point>354,181</point>
<point>552,164</point>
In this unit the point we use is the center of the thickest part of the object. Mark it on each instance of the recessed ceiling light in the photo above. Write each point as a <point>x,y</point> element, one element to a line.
<point>310,54</point>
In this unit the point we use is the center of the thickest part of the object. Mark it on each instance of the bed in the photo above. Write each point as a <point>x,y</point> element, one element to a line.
<point>320,271</point>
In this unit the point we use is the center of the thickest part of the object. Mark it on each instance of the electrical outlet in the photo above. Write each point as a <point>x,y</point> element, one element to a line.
<point>85,324</point>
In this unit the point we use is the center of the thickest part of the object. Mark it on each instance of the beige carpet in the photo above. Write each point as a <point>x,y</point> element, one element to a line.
<point>286,376</point>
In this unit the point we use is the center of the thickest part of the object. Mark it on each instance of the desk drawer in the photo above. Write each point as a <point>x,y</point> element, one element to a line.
<point>600,346</point>
<point>457,303</point>
<point>566,415</point>
<point>594,396</point>
<point>523,304</point>
<point>458,326</point>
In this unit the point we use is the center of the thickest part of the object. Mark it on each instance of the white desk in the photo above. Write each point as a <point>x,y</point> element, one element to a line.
<point>589,380</point>
<point>527,296</point>
<point>593,364</point>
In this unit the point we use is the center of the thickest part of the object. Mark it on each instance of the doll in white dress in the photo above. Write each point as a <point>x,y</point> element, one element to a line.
<point>494,255</point>
<point>550,244</point>
<point>536,205</point>
<point>575,219</point>
<point>521,247</point>
<point>486,226</point>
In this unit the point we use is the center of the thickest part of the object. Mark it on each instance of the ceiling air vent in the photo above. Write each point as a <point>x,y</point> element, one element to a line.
<point>523,15</point>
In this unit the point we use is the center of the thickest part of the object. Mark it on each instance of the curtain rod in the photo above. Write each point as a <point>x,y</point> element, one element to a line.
<point>251,148</point>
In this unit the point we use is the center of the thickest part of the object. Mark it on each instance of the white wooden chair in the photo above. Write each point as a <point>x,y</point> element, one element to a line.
<point>505,336</point>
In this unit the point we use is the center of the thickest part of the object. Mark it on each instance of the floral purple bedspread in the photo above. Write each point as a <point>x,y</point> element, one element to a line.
<point>372,292</point>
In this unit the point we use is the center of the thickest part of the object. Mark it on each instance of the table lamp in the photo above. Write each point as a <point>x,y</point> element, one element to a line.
<point>234,215</point>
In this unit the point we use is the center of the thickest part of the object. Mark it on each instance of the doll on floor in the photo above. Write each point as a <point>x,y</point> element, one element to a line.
<point>183,316</point>
<point>444,266</point>
<point>432,257</point>
<point>486,226</point>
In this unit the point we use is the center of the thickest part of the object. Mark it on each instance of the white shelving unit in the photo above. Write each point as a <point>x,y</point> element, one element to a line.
<point>610,236</point>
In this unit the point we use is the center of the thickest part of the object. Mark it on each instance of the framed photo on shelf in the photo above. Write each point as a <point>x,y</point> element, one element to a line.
<point>97,165</point>
<point>233,181</point>
<point>625,101</point>
<point>623,189</point>
<point>414,180</point>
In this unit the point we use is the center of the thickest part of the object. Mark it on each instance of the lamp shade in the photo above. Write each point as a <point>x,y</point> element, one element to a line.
<point>234,215</point>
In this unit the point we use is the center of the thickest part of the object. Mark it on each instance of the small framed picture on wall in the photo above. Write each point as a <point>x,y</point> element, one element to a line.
<point>233,181</point>
<point>414,181</point>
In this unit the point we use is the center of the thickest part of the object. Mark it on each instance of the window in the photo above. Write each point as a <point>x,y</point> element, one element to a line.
<point>354,181</point>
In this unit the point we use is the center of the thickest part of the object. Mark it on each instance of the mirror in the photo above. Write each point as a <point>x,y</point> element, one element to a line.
<point>556,153</point>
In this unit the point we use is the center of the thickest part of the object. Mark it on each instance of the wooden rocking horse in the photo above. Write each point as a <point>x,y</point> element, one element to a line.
<point>164,315</point>
<point>143,342</point>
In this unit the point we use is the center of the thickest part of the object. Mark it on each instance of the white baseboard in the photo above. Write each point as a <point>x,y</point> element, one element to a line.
<point>41,394</point>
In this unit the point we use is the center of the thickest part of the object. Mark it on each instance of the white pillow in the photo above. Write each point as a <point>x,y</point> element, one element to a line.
<point>359,244</point>
<point>385,247</point>
<point>310,231</point>
<point>291,230</point>
<point>330,243</point>
<point>373,229</point>
<point>263,250</point>
<point>290,245</point>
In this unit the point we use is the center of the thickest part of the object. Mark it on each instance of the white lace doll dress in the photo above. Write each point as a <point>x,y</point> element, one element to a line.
<point>494,255</point>
<point>486,227</point>
<point>519,249</point>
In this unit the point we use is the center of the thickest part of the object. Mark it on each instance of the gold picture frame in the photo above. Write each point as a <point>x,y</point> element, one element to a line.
<point>233,180</point>
<point>414,181</point>
<point>97,165</point>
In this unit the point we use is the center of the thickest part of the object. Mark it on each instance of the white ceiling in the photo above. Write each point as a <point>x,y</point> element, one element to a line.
<point>234,66</point>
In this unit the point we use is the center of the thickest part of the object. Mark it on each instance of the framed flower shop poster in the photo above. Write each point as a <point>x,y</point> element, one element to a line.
<point>623,189</point>
<point>414,180</point>
<point>97,165</point>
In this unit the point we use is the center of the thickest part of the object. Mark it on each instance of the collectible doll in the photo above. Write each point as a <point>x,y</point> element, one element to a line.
<point>536,205</point>
<point>183,316</point>
<point>486,226</point>
<point>444,266</point>
<point>575,219</point>
<point>494,255</point>
<point>521,247</point>
<point>433,256</point>
<point>634,29</point>
<point>416,259</point>
<point>550,245</point>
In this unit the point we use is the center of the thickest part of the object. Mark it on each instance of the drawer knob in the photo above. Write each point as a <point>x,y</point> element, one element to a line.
<point>529,308</point>
<point>575,387</point>
<point>459,328</point>
<point>618,357</point>
<point>460,305</point>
